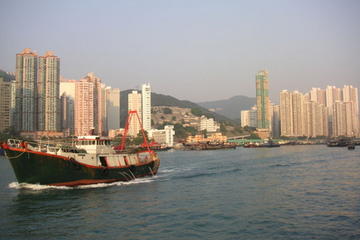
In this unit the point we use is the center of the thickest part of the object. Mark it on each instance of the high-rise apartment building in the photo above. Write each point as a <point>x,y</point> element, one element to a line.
<point>350,94</point>
<point>90,106</point>
<point>134,104</point>
<point>5,104</point>
<point>67,93</point>
<point>84,107</point>
<point>113,108</point>
<point>98,102</point>
<point>48,87</point>
<point>331,112</point>
<point>318,95</point>
<point>275,122</point>
<point>26,90</point>
<point>249,117</point>
<point>299,116</point>
<point>146,106</point>
<point>262,100</point>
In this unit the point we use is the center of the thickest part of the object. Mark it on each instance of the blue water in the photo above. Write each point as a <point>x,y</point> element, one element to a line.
<point>291,192</point>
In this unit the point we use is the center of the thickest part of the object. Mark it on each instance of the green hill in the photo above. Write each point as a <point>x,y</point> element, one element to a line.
<point>166,100</point>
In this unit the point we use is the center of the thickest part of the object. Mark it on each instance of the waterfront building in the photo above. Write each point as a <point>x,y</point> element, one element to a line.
<point>244,118</point>
<point>26,90</point>
<point>102,118</point>
<point>200,138</point>
<point>333,94</point>
<point>318,95</point>
<point>275,121</point>
<point>299,116</point>
<point>146,106</point>
<point>262,99</point>
<point>163,136</point>
<point>208,124</point>
<point>84,107</point>
<point>339,119</point>
<point>285,113</point>
<point>249,117</point>
<point>113,108</point>
<point>48,88</point>
<point>350,94</point>
<point>98,102</point>
<point>5,103</point>
<point>134,104</point>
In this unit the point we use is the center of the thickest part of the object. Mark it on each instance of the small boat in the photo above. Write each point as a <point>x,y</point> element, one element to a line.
<point>338,143</point>
<point>269,144</point>
<point>351,146</point>
<point>86,160</point>
<point>208,146</point>
<point>250,145</point>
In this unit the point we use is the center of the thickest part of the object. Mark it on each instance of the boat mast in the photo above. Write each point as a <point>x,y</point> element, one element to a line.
<point>131,114</point>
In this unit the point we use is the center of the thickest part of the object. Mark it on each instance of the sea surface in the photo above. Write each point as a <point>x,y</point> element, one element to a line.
<point>291,192</point>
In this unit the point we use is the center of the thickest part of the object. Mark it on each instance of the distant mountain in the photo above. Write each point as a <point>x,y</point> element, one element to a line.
<point>231,107</point>
<point>166,100</point>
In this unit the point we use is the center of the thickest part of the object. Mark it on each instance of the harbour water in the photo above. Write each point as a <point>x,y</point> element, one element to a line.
<point>291,192</point>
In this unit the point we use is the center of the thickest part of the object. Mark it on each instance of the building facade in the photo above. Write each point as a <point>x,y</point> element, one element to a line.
<point>134,104</point>
<point>262,100</point>
<point>26,90</point>
<point>48,90</point>
<point>84,107</point>
<point>113,108</point>
<point>67,93</point>
<point>5,104</point>
<point>146,106</point>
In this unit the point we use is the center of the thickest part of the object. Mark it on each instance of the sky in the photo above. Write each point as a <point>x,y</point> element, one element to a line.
<point>194,50</point>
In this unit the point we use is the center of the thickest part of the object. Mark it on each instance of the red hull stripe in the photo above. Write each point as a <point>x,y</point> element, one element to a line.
<point>84,182</point>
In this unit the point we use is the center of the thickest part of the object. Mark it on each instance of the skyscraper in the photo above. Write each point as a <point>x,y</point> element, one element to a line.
<point>48,86</point>
<point>350,94</point>
<point>262,99</point>
<point>26,90</point>
<point>67,91</point>
<point>146,106</point>
<point>84,107</point>
<point>134,104</point>
<point>113,108</point>
<point>5,103</point>
<point>98,102</point>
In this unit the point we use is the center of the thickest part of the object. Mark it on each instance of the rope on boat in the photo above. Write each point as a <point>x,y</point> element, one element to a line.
<point>129,176</point>
<point>151,171</point>
<point>132,174</point>
<point>15,156</point>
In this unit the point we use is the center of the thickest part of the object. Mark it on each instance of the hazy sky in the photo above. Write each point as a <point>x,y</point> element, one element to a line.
<point>191,49</point>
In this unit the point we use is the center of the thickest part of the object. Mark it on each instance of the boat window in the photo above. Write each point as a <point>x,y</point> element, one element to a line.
<point>103,161</point>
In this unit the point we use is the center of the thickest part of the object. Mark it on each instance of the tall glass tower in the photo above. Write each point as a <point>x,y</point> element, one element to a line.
<point>262,99</point>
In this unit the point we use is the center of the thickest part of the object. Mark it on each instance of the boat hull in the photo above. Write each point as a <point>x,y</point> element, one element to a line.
<point>48,169</point>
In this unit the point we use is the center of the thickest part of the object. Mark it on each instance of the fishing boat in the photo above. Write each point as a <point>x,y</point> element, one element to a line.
<point>86,160</point>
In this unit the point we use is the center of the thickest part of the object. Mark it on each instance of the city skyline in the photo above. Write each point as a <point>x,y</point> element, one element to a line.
<point>174,45</point>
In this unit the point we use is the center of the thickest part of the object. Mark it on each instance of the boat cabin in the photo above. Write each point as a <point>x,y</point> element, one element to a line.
<point>94,144</point>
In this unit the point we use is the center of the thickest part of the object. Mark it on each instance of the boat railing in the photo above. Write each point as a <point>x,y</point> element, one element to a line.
<point>15,143</point>
<point>47,146</point>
